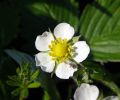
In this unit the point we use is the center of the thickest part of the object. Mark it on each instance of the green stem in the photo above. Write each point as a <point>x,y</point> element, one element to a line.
<point>81,65</point>
<point>54,69</point>
<point>82,68</point>
<point>75,80</point>
<point>20,97</point>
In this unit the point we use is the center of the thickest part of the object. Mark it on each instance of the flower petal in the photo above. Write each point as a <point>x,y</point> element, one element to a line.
<point>42,41</point>
<point>65,70</point>
<point>94,92</point>
<point>45,62</point>
<point>64,30</point>
<point>86,92</point>
<point>81,51</point>
<point>111,98</point>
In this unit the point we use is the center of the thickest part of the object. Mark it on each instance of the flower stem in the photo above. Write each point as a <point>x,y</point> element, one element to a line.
<point>81,65</point>
<point>20,97</point>
<point>54,70</point>
<point>75,80</point>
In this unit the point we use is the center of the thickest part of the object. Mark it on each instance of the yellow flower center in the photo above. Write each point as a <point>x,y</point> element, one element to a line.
<point>60,50</point>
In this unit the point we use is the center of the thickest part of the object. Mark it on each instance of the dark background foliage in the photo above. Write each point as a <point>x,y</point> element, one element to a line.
<point>20,23</point>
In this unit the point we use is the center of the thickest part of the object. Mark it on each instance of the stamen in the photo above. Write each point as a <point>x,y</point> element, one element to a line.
<point>60,50</point>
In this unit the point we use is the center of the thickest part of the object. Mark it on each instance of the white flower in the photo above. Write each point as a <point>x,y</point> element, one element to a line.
<point>86,92</point>
<point>111,98</point>
<point>57,51</point>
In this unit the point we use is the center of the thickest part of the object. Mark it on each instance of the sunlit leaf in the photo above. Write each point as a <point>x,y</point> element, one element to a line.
<point>34,85</point>
<point>46,96</point>
<point>100,26</point>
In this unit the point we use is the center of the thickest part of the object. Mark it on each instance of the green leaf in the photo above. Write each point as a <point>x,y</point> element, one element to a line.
<point>46,81</point>
<point>46,96</point>
<point>75,39</point>
<point>34,85</point>
<point>100,26</point>
<point>16,92</point>
<point>13,78</point>
<point>13,83</point>
<point>96,69</point>
<point>20,57</point>
<point>60,10</point>
<point>24,93</point>
<point>34,75</point>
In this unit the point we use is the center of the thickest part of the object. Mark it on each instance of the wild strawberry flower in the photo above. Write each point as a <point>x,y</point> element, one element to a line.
<point>86,92</point>
<point>57,52</point>
<point>90,92</point>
